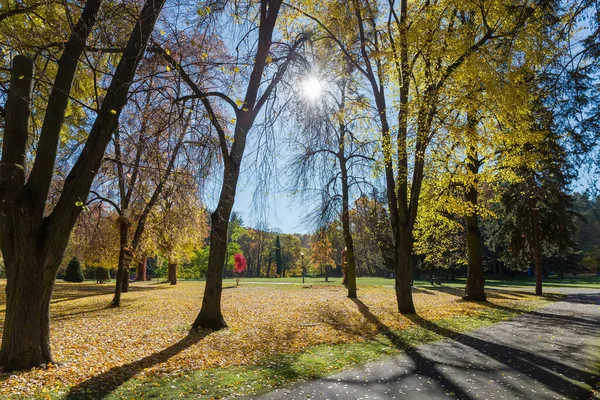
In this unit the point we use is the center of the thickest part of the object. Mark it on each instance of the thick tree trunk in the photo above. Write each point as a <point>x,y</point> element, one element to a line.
<point>173,273</point>
<point>537,249</point>
<point>141,270</point>
<point>474,290</point>
<point>210,316</point>
<point>26,331</point>
<point>403,248</point>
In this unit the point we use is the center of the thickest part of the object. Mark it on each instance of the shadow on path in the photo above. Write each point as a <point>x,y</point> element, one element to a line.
<point>423,366</point>
<point>555,375</point>
<point>100,386</point>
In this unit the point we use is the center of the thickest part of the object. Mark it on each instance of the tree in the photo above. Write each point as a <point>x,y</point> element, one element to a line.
<point>334,152</point>
<point>33,242</point>
<point>239,266</point>
<point>246,109</point>
<point>73,272</point>
<point>278,260</point>
<point>322,253</point>
<point>420,49</point>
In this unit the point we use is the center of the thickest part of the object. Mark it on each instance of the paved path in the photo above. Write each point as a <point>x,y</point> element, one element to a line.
<point>545,354</point>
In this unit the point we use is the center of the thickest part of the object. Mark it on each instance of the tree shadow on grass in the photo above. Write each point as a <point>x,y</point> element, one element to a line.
<point>555,375</point>
<point>100,386</point>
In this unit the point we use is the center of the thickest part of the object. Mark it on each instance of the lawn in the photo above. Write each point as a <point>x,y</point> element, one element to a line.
<point>277,334</point>
<point>576,281</point>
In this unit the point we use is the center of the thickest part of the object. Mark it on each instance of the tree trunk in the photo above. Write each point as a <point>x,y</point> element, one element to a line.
<point>537,249</point>
<point>141,270</point>
<point>403,249</point>
<point>269,264</point>
<point>351,262</point>
<point>474,290</point>
<point>210,316</point>
<point>26,331</point>
<point>123,260</point>
<point>173,273</point>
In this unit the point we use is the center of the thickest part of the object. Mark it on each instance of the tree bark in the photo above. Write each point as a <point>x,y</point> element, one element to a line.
<point>124,260</point>
<point>537,249</point>
<point>173,273</point>
<point>210,316</point>
<point>403,249</point>
<point>351,262</point>
<point>141,270</point>
<point>474,290</point>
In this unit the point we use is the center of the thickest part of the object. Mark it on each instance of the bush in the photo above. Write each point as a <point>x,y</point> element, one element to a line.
<point>101,274</point>
<point>73,272</point>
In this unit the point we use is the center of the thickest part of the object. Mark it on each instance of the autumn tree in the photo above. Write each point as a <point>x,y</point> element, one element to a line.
<point>34,234</point>
<point>254,76</point>
<point>334,152</point>
<point>322,253</point>
<point>419,49</point>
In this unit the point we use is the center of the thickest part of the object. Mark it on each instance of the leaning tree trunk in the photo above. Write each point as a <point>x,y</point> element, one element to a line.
<point>173,273</point>
<point>474,290</point>
<point>537,249</point>
<point>210,316</point>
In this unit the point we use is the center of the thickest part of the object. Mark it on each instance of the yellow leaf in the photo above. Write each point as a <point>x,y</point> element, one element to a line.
<point>162,32</point>
<point>22,76</point>
<point>269,59</point>
<point>236,69</point>
<point>114,112</point>
<point>168,68</point>
<point>232,120</point>
<point>239,102</point>
<point>168,52</point>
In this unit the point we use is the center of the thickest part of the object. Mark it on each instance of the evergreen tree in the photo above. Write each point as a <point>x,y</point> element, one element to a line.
<point>74,272</point>
<point>537,212</point>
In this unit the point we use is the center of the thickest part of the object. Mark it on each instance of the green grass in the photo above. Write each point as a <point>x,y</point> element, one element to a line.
<point>574,282</point>
<point>284,369</point>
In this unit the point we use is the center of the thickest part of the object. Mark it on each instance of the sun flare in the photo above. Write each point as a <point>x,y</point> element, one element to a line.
<point>312,88</point>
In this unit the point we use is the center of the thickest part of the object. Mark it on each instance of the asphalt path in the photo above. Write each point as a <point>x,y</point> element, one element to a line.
<point>551,353</point>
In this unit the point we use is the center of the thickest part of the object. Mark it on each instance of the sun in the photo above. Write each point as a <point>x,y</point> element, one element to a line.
<point>312,88</point>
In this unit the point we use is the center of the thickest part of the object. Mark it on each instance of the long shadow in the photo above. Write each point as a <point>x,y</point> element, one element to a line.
<point>553,374</point>
<point>423,366</point>
<point>547,319</point>
<point>100,386</point>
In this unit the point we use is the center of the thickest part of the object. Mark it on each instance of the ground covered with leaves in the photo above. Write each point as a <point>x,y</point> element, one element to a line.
<point>146,342</point>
